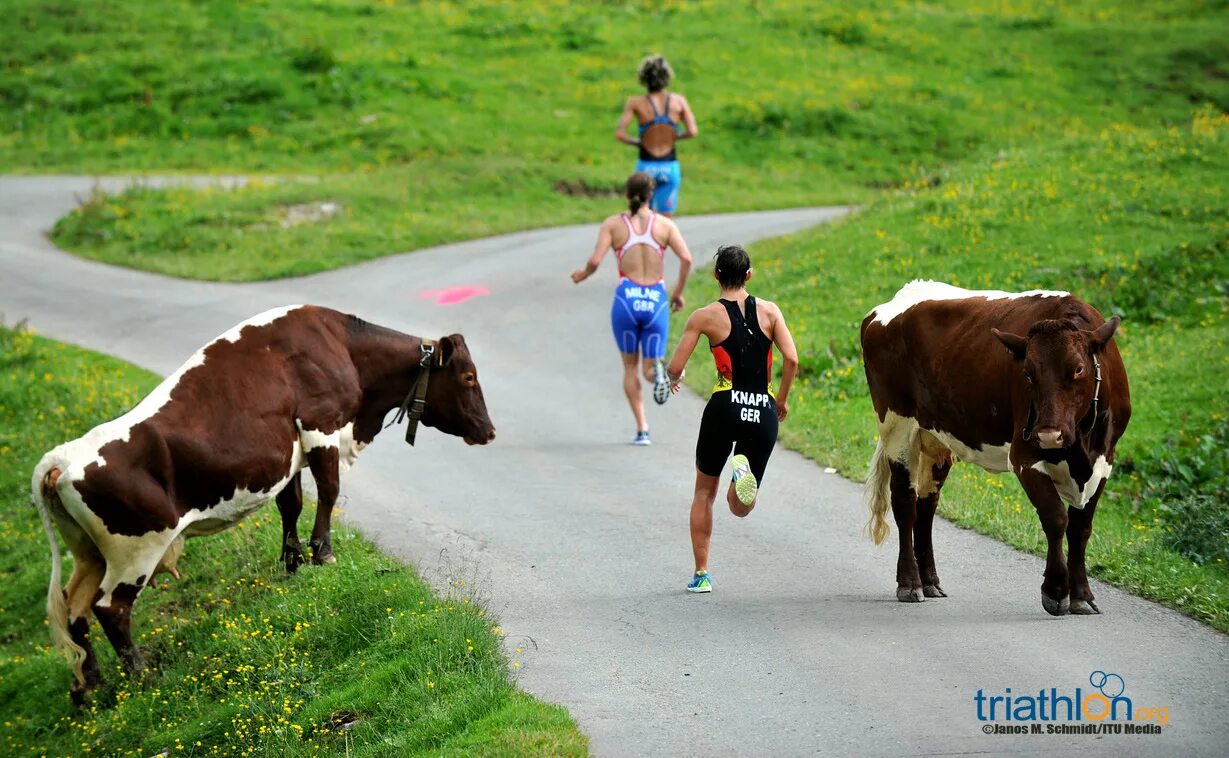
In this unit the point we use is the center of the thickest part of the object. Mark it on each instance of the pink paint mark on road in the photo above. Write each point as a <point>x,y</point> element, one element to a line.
<point>453,295</point>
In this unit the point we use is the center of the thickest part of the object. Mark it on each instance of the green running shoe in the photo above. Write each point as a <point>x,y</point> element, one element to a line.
<point>745,485</point>
<point>701,582</point>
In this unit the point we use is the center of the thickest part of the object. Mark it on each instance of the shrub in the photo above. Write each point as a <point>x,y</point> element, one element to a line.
<point>1190,483</point>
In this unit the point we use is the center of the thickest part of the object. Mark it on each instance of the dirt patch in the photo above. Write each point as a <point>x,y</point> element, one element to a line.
<point>309,213</point>
<point>582,188</point>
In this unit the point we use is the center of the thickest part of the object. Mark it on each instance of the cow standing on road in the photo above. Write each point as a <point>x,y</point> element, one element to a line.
<point>1051,409</point>
<point>295,387</point>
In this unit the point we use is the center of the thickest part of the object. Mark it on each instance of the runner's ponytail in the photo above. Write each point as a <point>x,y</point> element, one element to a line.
<point>639,190</point>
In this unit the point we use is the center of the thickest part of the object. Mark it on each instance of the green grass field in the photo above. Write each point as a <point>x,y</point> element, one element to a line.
<point>249,661</point>
<point>436,122</point>
<point>1133,220</point>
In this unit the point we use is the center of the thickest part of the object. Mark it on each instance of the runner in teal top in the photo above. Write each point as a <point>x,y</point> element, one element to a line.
<point>659,115</point>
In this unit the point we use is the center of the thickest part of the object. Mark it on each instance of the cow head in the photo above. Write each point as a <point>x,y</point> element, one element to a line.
<point>1059,363</point>
<point>455,404</point>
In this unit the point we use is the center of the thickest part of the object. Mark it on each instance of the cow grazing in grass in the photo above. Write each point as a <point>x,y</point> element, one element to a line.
<point>1050,408</point>
<point>292,388</point>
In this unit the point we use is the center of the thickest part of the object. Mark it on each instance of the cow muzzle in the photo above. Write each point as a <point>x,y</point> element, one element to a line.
<point>482,439</point>
<point>1050,438</point>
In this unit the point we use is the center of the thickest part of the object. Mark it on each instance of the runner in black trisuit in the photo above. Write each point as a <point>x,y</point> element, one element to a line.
<point>743,412</point>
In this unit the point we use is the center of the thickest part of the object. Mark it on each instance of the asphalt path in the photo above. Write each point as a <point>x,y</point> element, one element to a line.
<point>579,541</point>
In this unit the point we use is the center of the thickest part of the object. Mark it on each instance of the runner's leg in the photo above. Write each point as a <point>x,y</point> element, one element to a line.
<point>631,387</point>
<point>667,181</point>
<point>654,334</point>
<point>626,330</point>
<point>713,445</point>
<point>755,441</point>
<point>702,517</point>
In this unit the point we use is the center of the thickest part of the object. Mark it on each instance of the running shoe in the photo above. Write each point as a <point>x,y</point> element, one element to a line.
<point>701,582</point>
<point>745,485</point>
<point>661,382</point>
<point>642,439</point>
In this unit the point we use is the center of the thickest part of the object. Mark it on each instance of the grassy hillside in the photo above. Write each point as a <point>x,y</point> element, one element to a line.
<point>1133,220</point>
<point>249,661</point>
<point>435,122</point>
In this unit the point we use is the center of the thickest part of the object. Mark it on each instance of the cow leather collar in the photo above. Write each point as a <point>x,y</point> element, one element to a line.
<point>416,399</point>
<point>1096,406</point>
<point>1096,394</point>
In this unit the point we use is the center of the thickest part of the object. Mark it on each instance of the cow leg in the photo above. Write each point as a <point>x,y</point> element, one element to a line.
<point>323,462</point>
<point>1053,514</point>
<point>128,572</point>
<point>904,510</point>
<point>927,503</point>
<point>82,587</point>
<point>1079,529</point>
<point>115,618</point>
<point>290,505</point>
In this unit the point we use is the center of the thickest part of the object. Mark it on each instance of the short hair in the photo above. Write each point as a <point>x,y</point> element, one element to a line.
<point>639,190</point>
<point>655,73</point>
<point>733,265</point>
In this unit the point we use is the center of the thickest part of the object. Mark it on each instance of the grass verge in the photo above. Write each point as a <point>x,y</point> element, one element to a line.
<point>1132,220</point>
<point>249,661</point>
<point>444,121</point>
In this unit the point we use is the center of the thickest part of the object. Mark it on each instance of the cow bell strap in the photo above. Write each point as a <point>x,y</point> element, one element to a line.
<point>1096,394</point>
<point>416,399</point>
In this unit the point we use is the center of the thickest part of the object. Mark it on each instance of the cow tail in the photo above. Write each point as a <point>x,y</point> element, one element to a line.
<point>877,495</point>
<point>45,496</point>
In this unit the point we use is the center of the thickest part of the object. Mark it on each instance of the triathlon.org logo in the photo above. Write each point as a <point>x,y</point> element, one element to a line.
<point>1104,705</point>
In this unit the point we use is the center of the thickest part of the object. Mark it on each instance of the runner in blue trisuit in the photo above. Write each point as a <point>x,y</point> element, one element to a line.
<point>640,312</point>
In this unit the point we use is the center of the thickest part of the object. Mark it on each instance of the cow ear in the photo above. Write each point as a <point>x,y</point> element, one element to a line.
<point>1100,337</point>
<point>448,346</point>
<point>1015,344</point>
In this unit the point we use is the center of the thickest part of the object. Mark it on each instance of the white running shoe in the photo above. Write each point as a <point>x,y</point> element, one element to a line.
<point>661,382</point>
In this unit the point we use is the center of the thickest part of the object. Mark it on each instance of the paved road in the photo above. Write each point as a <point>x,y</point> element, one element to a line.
<point>579,541</point>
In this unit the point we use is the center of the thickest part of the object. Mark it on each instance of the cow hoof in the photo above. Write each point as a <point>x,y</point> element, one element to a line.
<point>909,594</point>
<point>1055,607</point>
<point>324,560</point>
<point>293,561</point>
<point>933,590</point>
<point>1084,608</point>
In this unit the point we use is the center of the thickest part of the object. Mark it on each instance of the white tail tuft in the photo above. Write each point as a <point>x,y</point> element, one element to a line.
<point>877,494</point>
<point>57,606</point>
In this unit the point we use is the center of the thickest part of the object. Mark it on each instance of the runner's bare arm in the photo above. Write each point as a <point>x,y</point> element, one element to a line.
<point>689,120</point>
<point>679,246</point>
<point>686,346</point>
<point>621,130</point>
<point>604,241</point>
<point>789,360</point>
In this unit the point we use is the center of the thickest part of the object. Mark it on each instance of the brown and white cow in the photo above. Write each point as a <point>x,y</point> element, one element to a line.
<point>1050,408</point>
<point>295,387</point>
